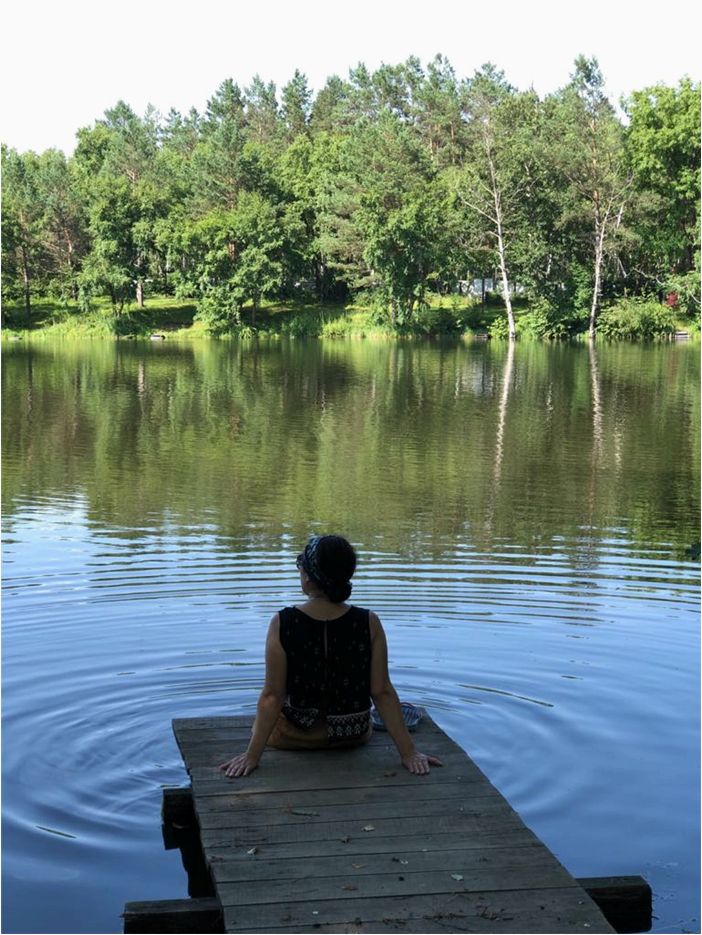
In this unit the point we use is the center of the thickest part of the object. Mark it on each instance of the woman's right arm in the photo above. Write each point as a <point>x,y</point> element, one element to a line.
<point>388,704</point>
<point>270,704</point>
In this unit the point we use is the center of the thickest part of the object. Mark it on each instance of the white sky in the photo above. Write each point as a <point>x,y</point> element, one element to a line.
<point>63,62</point>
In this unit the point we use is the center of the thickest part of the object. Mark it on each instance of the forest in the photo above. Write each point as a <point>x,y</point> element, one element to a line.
<point>406,191</point>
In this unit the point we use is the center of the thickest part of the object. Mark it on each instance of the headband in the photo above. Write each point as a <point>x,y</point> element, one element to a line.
<point>310,563</point>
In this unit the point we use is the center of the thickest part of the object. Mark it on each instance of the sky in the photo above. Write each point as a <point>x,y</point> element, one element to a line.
<point>64,62</point>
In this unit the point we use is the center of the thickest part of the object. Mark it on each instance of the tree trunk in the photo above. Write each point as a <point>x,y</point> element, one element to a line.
<point>318,281</point>
<point>505,282</point>
<point>501,248</point>
<point>600,228</point>
<point>140,293</point>
<point>26,279</point>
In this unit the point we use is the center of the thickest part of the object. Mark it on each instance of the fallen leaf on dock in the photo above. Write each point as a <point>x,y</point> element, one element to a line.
<point>254,850</point>
<point>369,827</point>
<point>349,886</point>
<point>456,876</point>
<point>345,839</point>
<point>300,811</point>
<point>357,866</point>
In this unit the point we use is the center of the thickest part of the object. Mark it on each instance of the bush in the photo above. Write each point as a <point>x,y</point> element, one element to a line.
<point>636,318</point>
<point>303,325</point>
<point>499,328</point>
<point>546,320</point>
<point>218,310</point>
<point>432,320</point>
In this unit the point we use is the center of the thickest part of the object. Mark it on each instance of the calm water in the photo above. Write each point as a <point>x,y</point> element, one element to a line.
<point>521,518</point>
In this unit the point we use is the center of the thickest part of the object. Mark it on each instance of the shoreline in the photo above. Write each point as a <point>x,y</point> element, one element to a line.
<point>166,318</point>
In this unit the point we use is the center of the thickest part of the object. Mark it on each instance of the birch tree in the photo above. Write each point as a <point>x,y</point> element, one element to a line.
<point>588,146</point>
<point>493,183</point>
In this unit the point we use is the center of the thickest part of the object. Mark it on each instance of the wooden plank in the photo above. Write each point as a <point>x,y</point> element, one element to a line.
<point>468,825</point>
<point>457,879</point>
<point>260,867</point>
<point>183,725</point>
<point>211,755</point>
<point>173,915</point>
<point>211,781</point>
<point>226,798</point>
<point>364,812</point>
<point>626,902</point>
<point>237,849</point>
<point>177,805</point>
<point>554,910</point>
<point>345,840</point>
<point>282,771</point>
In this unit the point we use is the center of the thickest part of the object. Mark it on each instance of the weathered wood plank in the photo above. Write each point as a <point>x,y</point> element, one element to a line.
<point>325,760</point>
<point>177,805</point>
<point>386,774</point>
<point>259,867</point>
<point>460,879</point>
<point>237,849</point>
<point>466,824</point>
<point>183,725</point>
<point>416,793</point>
<point>364,812</point>
<point>348,840</point>
<point>555,910</point>
<point>282,771</point>
<point>173,915</point>
<point>626,902</point>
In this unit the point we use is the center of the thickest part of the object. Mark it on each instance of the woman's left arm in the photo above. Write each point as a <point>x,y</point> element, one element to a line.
<point>269,705</point>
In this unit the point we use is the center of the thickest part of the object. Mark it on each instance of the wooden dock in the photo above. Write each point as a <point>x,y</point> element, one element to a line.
<point>349,841</point>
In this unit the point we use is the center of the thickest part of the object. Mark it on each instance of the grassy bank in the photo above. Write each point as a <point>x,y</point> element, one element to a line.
<point>176,318</point>
<point>447,315</point>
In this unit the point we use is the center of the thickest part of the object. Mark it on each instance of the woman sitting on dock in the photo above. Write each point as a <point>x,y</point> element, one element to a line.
<point>325,660</point>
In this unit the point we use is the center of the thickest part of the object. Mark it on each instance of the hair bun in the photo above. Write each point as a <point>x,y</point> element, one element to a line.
<point>338,591</point>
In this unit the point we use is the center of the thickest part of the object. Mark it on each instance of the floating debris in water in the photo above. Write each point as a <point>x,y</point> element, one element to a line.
<point>61,834</point>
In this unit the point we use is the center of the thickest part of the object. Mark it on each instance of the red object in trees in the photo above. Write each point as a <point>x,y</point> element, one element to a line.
<point>671,300</point>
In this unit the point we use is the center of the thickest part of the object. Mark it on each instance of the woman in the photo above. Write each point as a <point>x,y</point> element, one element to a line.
<point>325,660</point>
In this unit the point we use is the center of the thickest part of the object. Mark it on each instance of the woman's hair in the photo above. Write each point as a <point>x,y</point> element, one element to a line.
<point>330,561</point>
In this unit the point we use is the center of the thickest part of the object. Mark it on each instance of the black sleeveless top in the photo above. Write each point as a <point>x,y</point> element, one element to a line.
<point>328,671</point>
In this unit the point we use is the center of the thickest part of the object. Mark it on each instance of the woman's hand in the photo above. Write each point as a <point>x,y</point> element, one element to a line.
<point>418,763</point>
<point>240,765</point>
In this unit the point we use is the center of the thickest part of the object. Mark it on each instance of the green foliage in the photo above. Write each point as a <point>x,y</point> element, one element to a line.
<point>499,329</point>
<point>399,214</point>
<point>663,147</point>
<point>637,318</point>
<point>394,183</point>
<point>547,320</point>
<point>218,309</point>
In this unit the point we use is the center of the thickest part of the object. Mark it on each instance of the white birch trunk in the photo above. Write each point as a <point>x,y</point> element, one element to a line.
<point>505,283</point>
<point>501,247</point>
<point>597,288</point>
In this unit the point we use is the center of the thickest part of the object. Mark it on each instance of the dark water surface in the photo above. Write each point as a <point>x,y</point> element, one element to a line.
<point>521,518</point>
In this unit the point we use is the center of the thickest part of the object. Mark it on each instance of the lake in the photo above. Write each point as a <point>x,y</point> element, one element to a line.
<point>521,516</point>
